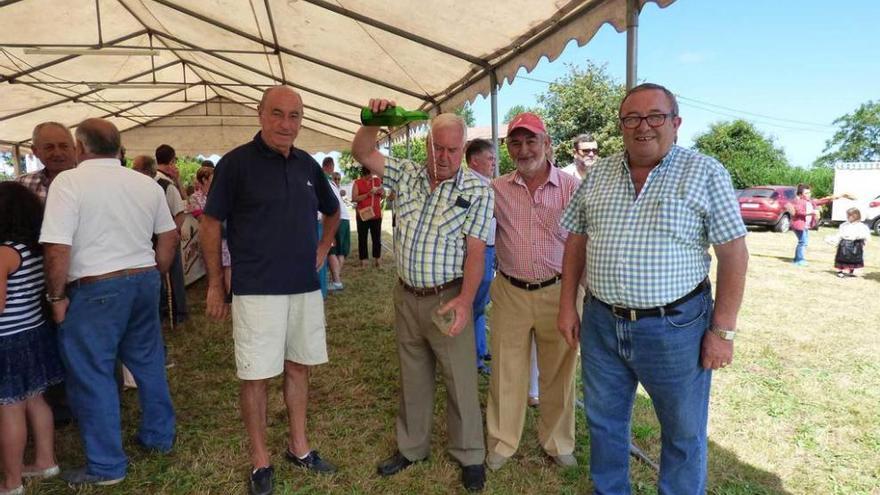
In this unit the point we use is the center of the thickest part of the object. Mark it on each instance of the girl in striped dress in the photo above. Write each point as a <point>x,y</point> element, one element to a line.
<point>29,360</point>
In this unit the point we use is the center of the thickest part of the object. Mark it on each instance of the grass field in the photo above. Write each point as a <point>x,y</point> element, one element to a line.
<point>798,412</point>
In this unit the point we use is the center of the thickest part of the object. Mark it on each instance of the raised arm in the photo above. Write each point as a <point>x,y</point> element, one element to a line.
<point>363,147</point>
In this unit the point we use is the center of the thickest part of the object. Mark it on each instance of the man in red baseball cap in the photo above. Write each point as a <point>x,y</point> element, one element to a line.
<point>525,298</point>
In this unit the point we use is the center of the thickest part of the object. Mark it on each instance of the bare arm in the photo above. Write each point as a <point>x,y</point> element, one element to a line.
<point>178,221</point>
<point>209,238</point>
<point>363,147</point>
<point>473,274</point>
<point>56,260</point>
<point>9,262</point>
<point>733,260</point>
<point>572,270</point>
<point>166,244</point>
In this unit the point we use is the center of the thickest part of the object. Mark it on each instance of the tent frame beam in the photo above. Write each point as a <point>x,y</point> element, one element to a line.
<point>292,53</point>
<point>80,95</point>
<point>632,43</point>
<point>239,82</point>
<point>63,59</point>
<point>257,72</point>
<point>399,32</point>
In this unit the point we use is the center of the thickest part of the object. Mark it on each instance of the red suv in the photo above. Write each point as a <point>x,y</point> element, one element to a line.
<point>765,205</point>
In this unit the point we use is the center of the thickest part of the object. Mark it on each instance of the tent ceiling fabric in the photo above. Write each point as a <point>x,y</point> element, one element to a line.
<point>337,53</point>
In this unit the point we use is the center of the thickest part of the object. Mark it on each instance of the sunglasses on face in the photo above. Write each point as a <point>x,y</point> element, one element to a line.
<point>584,151</point>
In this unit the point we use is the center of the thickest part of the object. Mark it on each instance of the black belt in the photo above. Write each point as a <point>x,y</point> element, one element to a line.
<point>633,314</point>
<point>522,284</point>
<point>429,291</point>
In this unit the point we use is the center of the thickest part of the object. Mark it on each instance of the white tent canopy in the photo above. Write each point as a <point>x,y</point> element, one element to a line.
<point>216,56</point>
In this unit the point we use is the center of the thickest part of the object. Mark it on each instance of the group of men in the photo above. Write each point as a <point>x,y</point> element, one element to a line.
<point>631,230</point>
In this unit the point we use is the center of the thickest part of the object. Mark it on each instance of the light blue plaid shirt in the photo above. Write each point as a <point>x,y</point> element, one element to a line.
<point>649,251</point>
<point>429,240</point>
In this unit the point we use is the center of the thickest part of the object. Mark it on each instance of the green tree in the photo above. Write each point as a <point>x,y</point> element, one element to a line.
<point>516,110</point>
<point>584,100</point>
<point>467,113</point>
<point>750,157</point>
<point>857,139</point>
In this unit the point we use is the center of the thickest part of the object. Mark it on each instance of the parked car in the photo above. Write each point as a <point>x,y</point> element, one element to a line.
<point>768,206</point>
<point>871,215</point>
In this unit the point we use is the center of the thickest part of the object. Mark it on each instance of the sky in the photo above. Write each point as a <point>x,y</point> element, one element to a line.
<point>790,67</point>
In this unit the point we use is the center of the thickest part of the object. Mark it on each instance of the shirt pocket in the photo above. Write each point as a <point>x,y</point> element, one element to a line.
<point>450,222</point>
<point>550,219</point>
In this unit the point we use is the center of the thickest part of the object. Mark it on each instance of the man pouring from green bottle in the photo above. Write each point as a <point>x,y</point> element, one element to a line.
<point>443,224</point>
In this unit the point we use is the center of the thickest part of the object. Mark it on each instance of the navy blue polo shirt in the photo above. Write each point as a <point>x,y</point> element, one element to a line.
<point>270,204</point>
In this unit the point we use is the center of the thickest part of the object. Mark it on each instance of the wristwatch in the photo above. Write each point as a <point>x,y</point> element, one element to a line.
<point>724,333</point>
<point>55,299</point>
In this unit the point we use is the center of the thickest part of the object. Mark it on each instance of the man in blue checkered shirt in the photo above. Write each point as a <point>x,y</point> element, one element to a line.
<point>641,223</point>
<point>443,217</point>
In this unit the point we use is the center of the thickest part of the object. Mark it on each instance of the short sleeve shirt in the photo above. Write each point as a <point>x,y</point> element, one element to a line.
<point>270,204</point>
<point>650,250</point>
<point>432,225</point>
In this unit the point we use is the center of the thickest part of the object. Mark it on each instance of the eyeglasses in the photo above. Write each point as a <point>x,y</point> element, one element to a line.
<point>585,151</point>
<point>653,120</point>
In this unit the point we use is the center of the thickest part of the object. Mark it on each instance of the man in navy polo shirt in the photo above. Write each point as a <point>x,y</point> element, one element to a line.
<point>269,194</point>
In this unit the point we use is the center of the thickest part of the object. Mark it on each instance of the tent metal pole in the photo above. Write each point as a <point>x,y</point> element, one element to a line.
<point>632,42</point>
<point>18,168</point>
<point>493,81</point>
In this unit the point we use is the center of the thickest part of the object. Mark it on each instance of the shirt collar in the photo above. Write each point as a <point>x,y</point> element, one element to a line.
<point>266,150</point>
<point>100,162</point>
<point>162,175</point>
<point>670,156</point>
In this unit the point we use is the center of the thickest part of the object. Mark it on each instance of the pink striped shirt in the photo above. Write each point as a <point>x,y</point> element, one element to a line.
<point>529,240</point>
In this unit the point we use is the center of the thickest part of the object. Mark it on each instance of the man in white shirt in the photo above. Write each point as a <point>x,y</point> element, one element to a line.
<point>102,279</point>
<point>168,176</point>
<point>480,157</point>
<point>585,153</point>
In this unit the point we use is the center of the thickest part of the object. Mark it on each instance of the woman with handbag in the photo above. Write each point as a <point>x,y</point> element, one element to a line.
<point>367,194</point>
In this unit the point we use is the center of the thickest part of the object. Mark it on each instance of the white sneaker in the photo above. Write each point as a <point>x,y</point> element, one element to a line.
<point>336,286</point>
<point>42,473</point>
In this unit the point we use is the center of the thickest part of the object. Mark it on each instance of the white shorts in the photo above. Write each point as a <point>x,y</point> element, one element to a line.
<point>267,330</point>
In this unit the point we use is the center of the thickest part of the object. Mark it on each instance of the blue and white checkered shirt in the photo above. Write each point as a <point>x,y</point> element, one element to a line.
<point>649,251</point>
<point>432,225</point>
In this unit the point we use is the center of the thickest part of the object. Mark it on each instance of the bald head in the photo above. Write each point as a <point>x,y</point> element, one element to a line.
<point>97,138</point>
<point>281,113</point>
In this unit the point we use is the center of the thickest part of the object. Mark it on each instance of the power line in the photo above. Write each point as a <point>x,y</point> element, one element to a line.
<point>772,124</point>
<point>800,122</point>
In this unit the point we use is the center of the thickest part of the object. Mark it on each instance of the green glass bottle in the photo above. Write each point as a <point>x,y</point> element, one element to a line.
<point>391,117</point>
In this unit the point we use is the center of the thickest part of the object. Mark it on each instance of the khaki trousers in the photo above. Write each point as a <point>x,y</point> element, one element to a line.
<point>421,346</point>
<point>516,313</point>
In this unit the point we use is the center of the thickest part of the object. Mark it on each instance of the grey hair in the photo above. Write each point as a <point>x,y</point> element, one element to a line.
<point>43,125</point>
<point>147,165</point>
<point>450,119</point>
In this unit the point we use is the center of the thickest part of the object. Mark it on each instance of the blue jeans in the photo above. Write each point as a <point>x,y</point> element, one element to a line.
<point>802,237</point>
<point>106,320</point>
<point>663,354</point>
<point>481,300</point>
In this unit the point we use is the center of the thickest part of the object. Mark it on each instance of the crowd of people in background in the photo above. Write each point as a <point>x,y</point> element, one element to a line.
<point>90,265</point>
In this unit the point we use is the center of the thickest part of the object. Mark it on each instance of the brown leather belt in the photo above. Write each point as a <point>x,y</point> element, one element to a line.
<point>523,284</point>
<point>106,276</point>
<point>429,291</point>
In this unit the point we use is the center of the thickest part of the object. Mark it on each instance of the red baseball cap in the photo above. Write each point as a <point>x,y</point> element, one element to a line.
<point>528,121</point>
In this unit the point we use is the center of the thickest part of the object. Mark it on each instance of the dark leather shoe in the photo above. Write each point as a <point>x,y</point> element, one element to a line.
<point>312,462</point>
<point>473,477</point>
<point>394,464</point>
<point>262,481</point>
